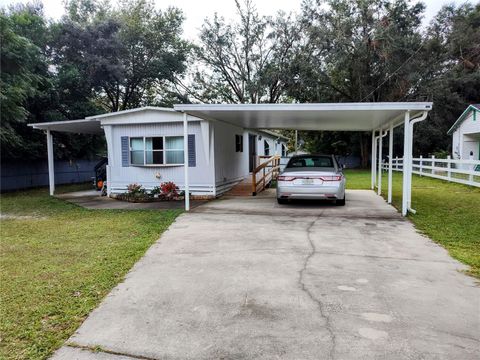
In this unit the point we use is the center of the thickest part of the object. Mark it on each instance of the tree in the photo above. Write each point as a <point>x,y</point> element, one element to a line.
<point>34,91</point>
<point>245,62</point>
<point>451,77</point>
<point>357,50</point>
<point>23,72</point>
<point>122,54</point>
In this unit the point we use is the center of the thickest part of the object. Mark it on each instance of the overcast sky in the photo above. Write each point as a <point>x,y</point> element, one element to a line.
<point>197,10</point>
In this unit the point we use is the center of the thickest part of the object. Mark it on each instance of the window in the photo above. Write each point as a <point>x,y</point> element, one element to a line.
<point>266,147</point>
<point>311,162</point>
<point>159,150</point>
<point>284,150</point>
<point>136,151</point>
<point>154,150</point>
<point>238,143</point>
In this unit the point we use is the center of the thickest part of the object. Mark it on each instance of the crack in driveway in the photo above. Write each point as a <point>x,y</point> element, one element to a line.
<point>310,294</point>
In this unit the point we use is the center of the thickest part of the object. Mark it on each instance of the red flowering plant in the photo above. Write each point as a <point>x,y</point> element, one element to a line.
<point>169,190</point>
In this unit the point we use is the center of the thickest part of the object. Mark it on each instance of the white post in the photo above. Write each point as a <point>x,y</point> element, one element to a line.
<point>185,162</point>
<point>380,146</point>
<point>449,172</point>
<point>390,164</point>
<point>109,188</point>
<point>296,142</point>
<point>373,164</point>
<point>51,167</point>
<point>471,167</point>
<point>433,164</point>
<point>406,163</point>
<point>420,166</point>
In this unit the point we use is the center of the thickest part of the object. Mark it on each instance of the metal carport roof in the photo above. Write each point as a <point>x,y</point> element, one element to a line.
<point>83,126</point>
<point>326,116</point>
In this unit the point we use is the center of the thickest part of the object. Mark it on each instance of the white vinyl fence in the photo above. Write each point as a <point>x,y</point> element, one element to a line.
<point>461,171</point>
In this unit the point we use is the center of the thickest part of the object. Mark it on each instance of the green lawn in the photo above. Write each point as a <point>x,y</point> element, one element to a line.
<point>448,213</point>
<point>57,262</point>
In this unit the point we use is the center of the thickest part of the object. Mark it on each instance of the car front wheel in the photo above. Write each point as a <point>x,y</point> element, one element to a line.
<point>282,201</point>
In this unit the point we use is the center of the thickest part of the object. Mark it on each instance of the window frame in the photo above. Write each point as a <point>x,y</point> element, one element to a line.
<point>163,151</point>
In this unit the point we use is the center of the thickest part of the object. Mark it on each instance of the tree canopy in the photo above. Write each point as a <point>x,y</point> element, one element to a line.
<point>102,56</point>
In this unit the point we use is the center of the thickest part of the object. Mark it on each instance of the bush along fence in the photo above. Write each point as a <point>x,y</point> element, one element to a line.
<point>460,171</point>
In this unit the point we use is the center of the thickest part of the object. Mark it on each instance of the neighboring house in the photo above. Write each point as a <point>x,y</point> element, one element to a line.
<point>466,134</point>
<point>145,146</point>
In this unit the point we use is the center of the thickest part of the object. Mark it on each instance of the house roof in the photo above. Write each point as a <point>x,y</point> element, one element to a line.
<point>459,121</point>
<point>93,124</point>
<point>324,116</point>
<point>83,126</point>
<point>274,133</point>
<point>129,111</point>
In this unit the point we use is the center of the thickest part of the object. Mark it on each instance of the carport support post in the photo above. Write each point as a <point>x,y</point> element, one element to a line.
<point>390,163</point>
<point>373,161</point>
<point>51,167</point>
<point>406,163</point>
<point>185,162</point>
<point>380,146</point>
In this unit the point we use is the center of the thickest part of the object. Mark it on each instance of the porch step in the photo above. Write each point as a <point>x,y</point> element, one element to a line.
<point>243,188</point>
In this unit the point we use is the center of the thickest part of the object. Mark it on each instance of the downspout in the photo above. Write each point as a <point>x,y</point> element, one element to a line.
<point>410,149</point>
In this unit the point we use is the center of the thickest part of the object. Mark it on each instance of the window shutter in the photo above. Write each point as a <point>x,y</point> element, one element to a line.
<point>192,155</point>
<point>125,151</point>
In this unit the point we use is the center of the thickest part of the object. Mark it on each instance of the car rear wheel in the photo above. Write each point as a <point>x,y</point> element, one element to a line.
<point>341,202</point>
<point>282,201</point>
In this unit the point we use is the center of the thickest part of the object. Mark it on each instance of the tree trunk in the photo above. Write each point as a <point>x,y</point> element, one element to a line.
<point>364,153</point>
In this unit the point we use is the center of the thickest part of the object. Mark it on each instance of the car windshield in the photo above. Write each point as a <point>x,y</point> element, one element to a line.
<point>311,162</point>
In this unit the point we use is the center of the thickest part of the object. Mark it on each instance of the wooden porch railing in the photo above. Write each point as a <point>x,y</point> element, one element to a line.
<point>269,170</point>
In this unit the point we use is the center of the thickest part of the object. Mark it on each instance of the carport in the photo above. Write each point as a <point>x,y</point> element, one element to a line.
<point>378,118</point>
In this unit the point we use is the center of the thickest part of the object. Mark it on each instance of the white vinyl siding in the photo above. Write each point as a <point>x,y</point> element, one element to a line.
<point>201,175</point>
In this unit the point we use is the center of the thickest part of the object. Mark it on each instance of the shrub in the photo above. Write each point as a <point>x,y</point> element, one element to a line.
<point>441,154</point>
<point>135,190</point>
<point>156,191</point>
<point>169,190</point>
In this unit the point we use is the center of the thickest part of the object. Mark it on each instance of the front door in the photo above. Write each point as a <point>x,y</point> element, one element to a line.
<point>252,152</point>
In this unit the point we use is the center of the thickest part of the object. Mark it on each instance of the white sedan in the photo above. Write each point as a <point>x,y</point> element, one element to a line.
<point>312,177</point>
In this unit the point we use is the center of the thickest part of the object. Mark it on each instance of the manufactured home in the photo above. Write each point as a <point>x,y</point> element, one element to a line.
<point>145,146</point>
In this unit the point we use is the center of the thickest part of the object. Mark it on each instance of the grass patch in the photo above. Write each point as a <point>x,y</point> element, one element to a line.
<point>448,213</point>
<point>357,179</point>
<point>58,261</point>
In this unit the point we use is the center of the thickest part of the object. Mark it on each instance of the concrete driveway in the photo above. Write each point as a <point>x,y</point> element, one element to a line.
<point>245,278</point>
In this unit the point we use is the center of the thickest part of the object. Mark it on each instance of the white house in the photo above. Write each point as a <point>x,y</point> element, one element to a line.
<point>466,134</point>
<point>145,146</point>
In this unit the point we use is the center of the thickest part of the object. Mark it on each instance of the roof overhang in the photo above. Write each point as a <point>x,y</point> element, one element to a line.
<point>326,116</point>
<point>84,126</point>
